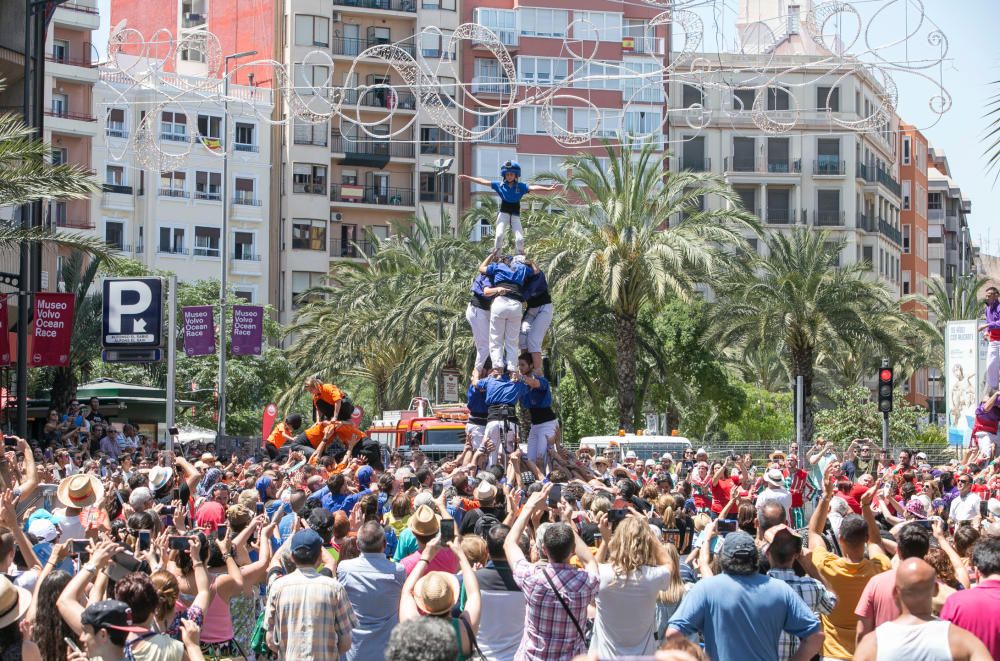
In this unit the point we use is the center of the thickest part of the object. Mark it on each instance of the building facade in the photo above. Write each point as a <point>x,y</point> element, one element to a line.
<point>913,148</point>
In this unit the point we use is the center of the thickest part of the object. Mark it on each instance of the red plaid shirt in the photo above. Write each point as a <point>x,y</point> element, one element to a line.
<point>549,633</point>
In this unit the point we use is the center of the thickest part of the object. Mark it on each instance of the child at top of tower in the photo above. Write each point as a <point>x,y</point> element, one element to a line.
<point>511,190</point>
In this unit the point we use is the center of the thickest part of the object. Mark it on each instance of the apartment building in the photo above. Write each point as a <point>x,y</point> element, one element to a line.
<point>912,152</point>
<point>69,123</point>
<point>169,216</point>
<point>613,93</point>
<point>951,254</point>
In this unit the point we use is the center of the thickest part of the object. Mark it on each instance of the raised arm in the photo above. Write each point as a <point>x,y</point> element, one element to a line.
<point>818,519</point>
<point>70,602</point>
<point>940,534</point>
<point>510,545</point>
<point>476,180</point>
<point>473,600</point>
<point>874,534</point>
<point>486,262</point>
<point>539,188</point>
<point>30,481</point>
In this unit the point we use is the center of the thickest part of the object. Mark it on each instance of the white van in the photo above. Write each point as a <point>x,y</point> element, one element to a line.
<point>645,447</point>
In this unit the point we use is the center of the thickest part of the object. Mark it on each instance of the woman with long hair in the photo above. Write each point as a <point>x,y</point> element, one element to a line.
<point>669,599</point>
<point>50,628</point>
<point>634,567</point>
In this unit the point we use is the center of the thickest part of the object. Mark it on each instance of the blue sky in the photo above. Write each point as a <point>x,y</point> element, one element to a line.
<point>973,61</point>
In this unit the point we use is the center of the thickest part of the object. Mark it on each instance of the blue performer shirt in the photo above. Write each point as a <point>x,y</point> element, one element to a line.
<point>479,283</point>
<point>502,391</point>
<point>538,398</point>
<point>508,193</point>
<point>475,398</point>
<point>502,274</point>
<point>536,286</point>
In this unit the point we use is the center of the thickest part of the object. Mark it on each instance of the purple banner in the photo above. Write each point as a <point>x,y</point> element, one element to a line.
<point>248,330</point>
<point>199,330</point>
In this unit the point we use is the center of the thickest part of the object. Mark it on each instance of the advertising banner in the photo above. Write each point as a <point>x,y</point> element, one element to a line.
<point>961,357</point>
<point>248,330</point>
<point>4,337</point>
<point>52,330</point>
<point>199,330</point>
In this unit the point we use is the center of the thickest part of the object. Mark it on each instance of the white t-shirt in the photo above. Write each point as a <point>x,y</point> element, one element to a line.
<point>964,508</point>
<point>626,612</point>
<point>782,496</point>
<point>70,525</point>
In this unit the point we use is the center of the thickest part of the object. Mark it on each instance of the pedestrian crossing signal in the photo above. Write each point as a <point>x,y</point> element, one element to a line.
<point>885,386</point>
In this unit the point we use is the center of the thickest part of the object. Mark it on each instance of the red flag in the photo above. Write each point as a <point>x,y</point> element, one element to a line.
<point>4,337</point>
<point>53,329</point>
<point>270,413</point>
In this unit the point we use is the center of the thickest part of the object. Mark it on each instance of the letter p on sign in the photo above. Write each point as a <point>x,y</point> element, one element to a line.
<point>117,309</point>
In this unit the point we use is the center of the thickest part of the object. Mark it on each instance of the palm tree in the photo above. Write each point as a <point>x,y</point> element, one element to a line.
<point>992,151</point>
<point>635,231</point>
<point>942,307</point>
<point>798,299</point>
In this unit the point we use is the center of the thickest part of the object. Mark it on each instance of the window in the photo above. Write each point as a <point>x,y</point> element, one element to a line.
<point>310,134</point>
<point>434,187</point>
<point>606,122</point>
<point>60,104</point>
<point>597,26</point>
<point>744,155</point>
<point>446,5</point>
<point>906,239</point>
<point>173,126</point>
<point>544,22</point>
<point>793,19</point>
<point>303,281</point>
<point>743,99</point>
<point>597,75</point>
<point>906,149</point>
<point>245,294</point>
<point>503,22</point>
<point>530,120</point>
<point>748,198</point>
<point>828,156</point>
<point>309,178</point>
<point>244,135</point>
<point>171,240</point>
<point>691,96</point>
<point>779,203</point>
<point>541,70</point>
<point>308,234</point>
<point>533,165</point>
<point>59,156</point>
<point>434,140</point>
<point>206,241</point>
<point>777,99</point>
<point>114,175</point>
<point>645,84</point>
<point>921,197</point>
<point>114,234</point>
<point>778,159</point>
<point>243,247</point>
<point>311,79</point>
<point>828,207</point>
<point>173,184</point>
<point>906,282</point>
<point>208,186</point>
<point>312,30</point>
<point>694,154</point>
<point>116,123</point>
<point>868,255</point>
<point>245,192</point>
<point>642,123</point>
<point>210,130</point>
<point>934,201</point>
<point>828,98</point>
<point>60,50</point>
<point>196,48</point>
<point>907,184</point>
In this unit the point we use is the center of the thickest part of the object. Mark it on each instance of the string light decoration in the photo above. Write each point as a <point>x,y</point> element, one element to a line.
<point>137,63</point>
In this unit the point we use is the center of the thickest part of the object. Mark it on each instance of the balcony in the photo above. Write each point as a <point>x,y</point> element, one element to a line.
<point>829,218</point>
<point>208,195</point>
<point>508,36</point>
<point>936,215</point>
<point>830,167</point>
<point>951,223</point>
<point>866,223</point>
<point>75,223</point>
<point>77,16</point>
<point>351,249</point>
<point>368,151</point>
<point>206,251</point>
<point>493,85</point>
<point>890,232</point>
<point>116,130</point>
<point>245,256</point>
<point>174,137</point>
<point>172,192</point>
<point>500,135</point>
<point>239,146</point>
<point>352,47</point>
<point>117,188</point>
<point>381,97</point>
<point>65,114</point>
<point>887,180</point>
<point>642,45</point>
<point>384,196</point>
<point>696,164</point>
<point>780,216</point>
<point>309,188</point>
<point>762,165</point>
<point>247,201</point>
<point>409,6</point>
<point>169,250</point>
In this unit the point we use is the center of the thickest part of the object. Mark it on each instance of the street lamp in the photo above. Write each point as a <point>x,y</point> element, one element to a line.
<point>441,167</point>
<point>224,240</point>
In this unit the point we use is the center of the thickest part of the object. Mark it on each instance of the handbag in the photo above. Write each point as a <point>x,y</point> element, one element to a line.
<point>583,636</point>
<point>477,654</point>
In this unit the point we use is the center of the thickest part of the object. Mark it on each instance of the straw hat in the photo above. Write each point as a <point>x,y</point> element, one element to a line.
<point>80,490</point>
<point>208,458</point>
<point>425,522</point>
<point>485,491</point>
<point>14,602</point>
<point>436,592</point>
<point>159,477</point>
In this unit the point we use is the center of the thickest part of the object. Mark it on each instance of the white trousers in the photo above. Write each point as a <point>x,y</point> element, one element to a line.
<point>993,365</point>
<point>501,228</point>
<point>479,321</point>
<point>505,326</point>
<point>534,325</point>
<point>476,434</point>
<point>494,432</point>
<point>538,441</point>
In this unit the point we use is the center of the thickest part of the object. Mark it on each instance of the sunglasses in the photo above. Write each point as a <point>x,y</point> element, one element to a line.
<point>964,481</point>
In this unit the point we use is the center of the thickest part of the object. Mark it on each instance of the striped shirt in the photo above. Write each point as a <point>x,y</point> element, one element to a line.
<point>307,614</point>
<point>549,632</point>
<point>820,600</point>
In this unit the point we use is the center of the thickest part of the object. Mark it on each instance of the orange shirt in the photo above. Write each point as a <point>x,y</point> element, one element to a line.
<point>329,393</point>
<point>277,437</point>
<point>316,433</point>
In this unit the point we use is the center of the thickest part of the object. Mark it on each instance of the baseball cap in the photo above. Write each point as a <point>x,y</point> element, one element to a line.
<point>666,456</point>
<point>307,539</point>
<point>650,462</point>
<point>320,519</point>
<point>43,530</point>
<point>630,454</point>
<point>739,546</point>
<point>110,614</point>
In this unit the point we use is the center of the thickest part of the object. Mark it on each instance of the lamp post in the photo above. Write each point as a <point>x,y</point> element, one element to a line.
<point>224,240</point>
<point>441,167</point>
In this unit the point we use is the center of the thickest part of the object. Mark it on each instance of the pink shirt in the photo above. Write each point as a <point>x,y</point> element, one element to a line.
<point>445,560</point>
<point>977,610</point>
<point>877,601</point>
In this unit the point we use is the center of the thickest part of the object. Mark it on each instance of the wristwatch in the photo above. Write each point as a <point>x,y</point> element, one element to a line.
<point>90,567</point>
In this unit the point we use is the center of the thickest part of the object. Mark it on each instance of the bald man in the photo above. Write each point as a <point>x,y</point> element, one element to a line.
<point>916,633</point>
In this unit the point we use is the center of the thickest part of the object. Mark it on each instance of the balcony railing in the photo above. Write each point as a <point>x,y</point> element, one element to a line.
<point>388,5</point>
<point>76,6</point>
<point>207,195</point>
<point>390,196</point>
<point>117,188</point>
<point>437,147</point>
<point>641,45</point>
<point>508,36</point>
<point>828,218</point>
<point>343,145</point>
<point>65,114</point>
<point>75,223</point>
<point>86,56</point>
<point>245,256</point>
<point>247,201</point>
<point>867,223</point>
<point>120,247</point>
<point>780,216</point>
<point>116,131</point>
<point>174,137</point>
<point>888,181</point>
<point>491,85</point>
<point>172,192</point>
<point>206,251</point>
<point>351,249</point>
<point>239,146</point>
<point>500,135</point>
<point>169,250</point>
<point>696,164</point>
<point>762,165</point>
<point>890,232</point>
<point>353,46</point>
<point>311,189</point>
<point>830,167</point>
<point>380,98</point>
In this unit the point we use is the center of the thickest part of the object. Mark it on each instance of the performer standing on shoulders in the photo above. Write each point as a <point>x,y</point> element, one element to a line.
<point>477,313</point>
<point>538,317</point>
<point>538,401</point>
<point>991,330</point>
<point>508,277</point>
<point>510,190</point>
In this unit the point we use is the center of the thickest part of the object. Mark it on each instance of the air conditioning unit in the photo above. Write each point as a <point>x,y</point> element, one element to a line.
<point>336,217</point>
<point>338,17</point>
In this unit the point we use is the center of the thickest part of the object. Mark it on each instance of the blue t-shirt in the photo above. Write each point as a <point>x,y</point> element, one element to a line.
<point>475,398</point>
<point>510,194</point>
<point>503,390</point>
<point>479,283</point>
<point>538,398</point>
<point>501,273</point>
<point>742,617</point>
<point>535,285</point>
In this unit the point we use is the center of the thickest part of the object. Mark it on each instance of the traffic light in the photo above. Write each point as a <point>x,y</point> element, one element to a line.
<point>885,389</point>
